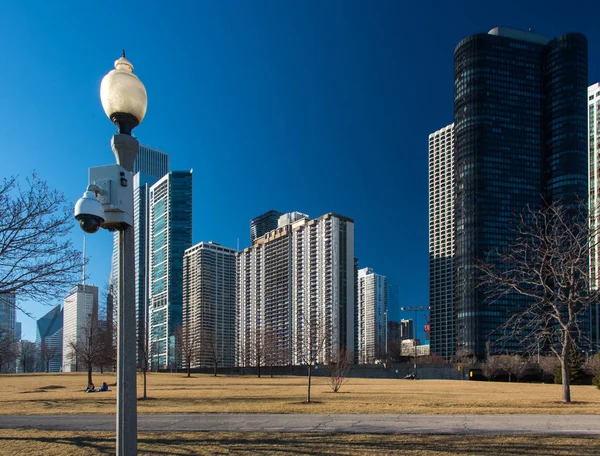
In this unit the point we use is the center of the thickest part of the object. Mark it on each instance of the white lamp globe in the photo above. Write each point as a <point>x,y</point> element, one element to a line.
<point>123,96</point>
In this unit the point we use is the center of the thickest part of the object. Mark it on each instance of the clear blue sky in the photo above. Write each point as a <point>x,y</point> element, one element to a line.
<point>315,106</point>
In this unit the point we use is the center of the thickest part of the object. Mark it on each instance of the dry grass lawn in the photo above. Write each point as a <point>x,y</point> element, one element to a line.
<point>54,443</point>
<point>174,393</point>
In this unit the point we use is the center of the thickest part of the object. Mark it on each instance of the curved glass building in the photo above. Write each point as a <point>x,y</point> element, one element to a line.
<point>520,139</point>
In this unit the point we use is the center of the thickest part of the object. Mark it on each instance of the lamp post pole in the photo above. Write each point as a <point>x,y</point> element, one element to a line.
<point>124,101</point>
<point>415,309</point>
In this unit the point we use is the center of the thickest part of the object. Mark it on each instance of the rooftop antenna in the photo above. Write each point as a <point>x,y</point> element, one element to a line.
<point>238,244</point>
<point>126,57</point>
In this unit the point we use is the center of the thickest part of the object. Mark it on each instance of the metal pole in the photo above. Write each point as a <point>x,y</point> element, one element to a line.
<point>415,342</point>
<point>126,148</point>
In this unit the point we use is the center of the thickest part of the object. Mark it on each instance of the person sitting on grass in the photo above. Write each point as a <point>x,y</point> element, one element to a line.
<point>91,388</point>
<point>103,388</point>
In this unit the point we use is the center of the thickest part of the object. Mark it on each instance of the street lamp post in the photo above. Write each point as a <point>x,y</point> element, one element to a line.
<point>415,309</point>
<point>124,101</point>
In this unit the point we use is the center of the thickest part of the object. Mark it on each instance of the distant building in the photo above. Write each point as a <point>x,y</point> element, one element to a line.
<point>49,339</point>
<point>295,289</point>
<point>169,235</point>
<point>412,346</point>
<point>80,309</point>
<point>372,316</point>
<point>407,329</point>
<point>8,313</point>
<point>261,225</point>
<point>209,304</point>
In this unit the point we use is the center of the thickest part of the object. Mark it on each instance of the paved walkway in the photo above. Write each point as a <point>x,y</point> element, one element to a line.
<point>369,424</point>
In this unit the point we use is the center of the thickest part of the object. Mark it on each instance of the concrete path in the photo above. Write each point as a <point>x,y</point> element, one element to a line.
<point>368,424</point>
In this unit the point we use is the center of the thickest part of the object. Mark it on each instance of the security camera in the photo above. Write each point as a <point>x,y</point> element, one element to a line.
<point>89,212</point>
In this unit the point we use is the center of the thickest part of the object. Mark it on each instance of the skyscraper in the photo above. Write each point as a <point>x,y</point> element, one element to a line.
<point>261,225</point>
<point>441,240</point>
<point>80,309</point>
<point>49,338</point>
<point>520,103</point>
<point>209,304</point>
<point>8,313</point>
<point>372,312</point>
<point>295,289</point>
<point>594,200</point>
<point>170,234</point>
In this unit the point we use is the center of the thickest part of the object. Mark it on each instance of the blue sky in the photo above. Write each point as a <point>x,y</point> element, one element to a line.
<point>315,106</point>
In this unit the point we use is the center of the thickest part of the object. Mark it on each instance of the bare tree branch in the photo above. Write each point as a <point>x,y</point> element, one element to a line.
<point>546,271</point>
<point>37,261</point>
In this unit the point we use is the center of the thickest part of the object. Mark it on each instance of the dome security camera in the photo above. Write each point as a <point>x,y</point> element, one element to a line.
<point>89,212</point>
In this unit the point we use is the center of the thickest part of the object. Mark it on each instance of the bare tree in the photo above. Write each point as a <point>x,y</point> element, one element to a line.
<point>491,367</point>
<point>146,351</point>
<point>47,354</point>
<point>547,268</point>
<point>87,349</point>
<point>185,341</point>
<point>37,260</point>
<point>28,355</point>
<point>548,365</point>
<point>9,349</point>
<point>338,370</point>
<point>311,345</point>
<point>592,365</point>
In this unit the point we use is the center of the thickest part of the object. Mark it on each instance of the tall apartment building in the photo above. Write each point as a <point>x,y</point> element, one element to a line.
<point>80,309</point>
<point>149,166</point>
<point>520,139</point>
<point>594,200</point>
<point>170,234</point>
<point>372,313</point>
<point>49,339</point>
<point>261,225</point>
<point>209,304</point>
<point>441,240</point>
<point>295,292</point>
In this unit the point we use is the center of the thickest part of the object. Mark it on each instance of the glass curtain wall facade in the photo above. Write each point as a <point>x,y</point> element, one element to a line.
<point>519,103</point>
<point>170,234</point>
<point>49,339</point>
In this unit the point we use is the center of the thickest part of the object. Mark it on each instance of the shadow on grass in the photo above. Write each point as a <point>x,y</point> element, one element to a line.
<point>323,444</point>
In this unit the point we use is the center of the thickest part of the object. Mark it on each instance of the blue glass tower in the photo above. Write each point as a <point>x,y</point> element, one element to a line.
<point>170,234</point>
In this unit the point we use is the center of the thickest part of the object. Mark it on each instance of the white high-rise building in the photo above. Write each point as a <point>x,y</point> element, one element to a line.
<point>441,240</point>
<point>594,200</point>
<point>295,293</point>
<point>372,303</point>
<point>209,304</point>
<point>80,309</point>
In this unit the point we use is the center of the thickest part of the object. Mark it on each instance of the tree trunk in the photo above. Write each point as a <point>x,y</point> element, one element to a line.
<point>215,370</point>
<point>47,366</point>
<point>145,371</point>
<point>258,365</point>
<point>309,378</point>
<point>189,366</point>
<point>89,374</point>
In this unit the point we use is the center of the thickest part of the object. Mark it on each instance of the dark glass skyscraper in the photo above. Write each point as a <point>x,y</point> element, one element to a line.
<point>261,225</point>
<point>520,139</point>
